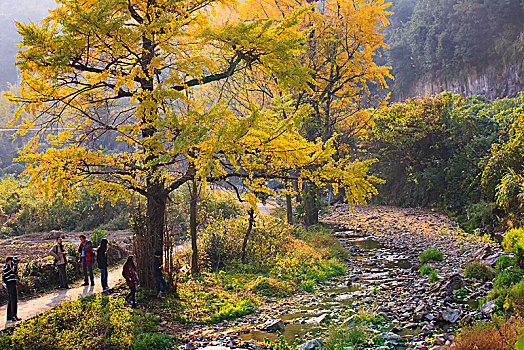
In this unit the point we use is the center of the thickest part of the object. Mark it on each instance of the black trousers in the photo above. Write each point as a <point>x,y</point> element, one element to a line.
<point>12,301</point>
<point>62,275</point>
<point>87,266</point>
<point>131,296</point>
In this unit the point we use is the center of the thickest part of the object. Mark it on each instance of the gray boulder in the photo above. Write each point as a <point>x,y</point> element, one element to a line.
<point>273,326</point>
<point>314,344</point>
<point>488,308</point>
<point>450,315</point>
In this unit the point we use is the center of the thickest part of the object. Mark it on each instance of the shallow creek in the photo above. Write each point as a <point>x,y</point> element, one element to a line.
<point>370,264</point>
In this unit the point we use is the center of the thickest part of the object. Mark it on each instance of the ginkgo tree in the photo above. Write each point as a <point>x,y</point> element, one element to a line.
<point>139,70</point>
<point>344,39</point>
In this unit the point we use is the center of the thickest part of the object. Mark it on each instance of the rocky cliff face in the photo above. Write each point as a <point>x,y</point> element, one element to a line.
<point>493,82</point>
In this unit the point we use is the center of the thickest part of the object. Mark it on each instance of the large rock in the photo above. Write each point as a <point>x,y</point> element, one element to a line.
<point>449,315</point>
<point>490,260</point>
<point>314,344</point>
<point>482,253</point>
<point>488,308</point>
<point>273,326</point>
<point>324,318</point>
<point>453,283</point>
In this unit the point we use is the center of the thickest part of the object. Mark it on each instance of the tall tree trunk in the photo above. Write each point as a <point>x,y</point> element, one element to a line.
<point>311,204</point>
<point>248,232</point>
<point>289,209</point>
<point>151,238</point>
<point>195,270</point>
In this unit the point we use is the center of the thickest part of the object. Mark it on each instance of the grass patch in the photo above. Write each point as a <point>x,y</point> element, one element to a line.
<point>425,269</point>
<point>94,322</point>
<point>342,338</point>
<point>269,287</point>
<point>431,254</point>
<point>498,334</point>
<point>505,261</point>
<point>433,277</point>
<point>479,270</point>
<point>508,277</point>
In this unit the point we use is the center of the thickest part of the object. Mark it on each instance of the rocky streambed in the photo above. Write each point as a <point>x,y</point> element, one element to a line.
<point>383,286</point>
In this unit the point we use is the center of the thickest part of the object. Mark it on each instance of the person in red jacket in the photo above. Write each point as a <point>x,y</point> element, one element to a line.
<point>87,256</point>
<point>129,273</point>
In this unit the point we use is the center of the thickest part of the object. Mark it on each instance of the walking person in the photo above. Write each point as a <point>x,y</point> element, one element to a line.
<point>86,255</point>
<point>59,253</point>
<point>129,273</point>
<point>158,274</point>
<point>101,259</point>
<point>10,277</point>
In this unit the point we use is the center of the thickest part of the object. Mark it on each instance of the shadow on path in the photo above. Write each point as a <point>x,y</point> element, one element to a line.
<point>34,306</point>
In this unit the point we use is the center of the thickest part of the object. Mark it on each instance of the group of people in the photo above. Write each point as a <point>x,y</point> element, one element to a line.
<point>87,257</point>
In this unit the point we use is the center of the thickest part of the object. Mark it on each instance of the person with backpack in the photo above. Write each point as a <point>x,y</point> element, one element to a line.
<point>101,259</point>
<point>9,277</point>
<point>87,256</point>
<point>158,274</point>
<point>59,253</point>
<point>129,273</point>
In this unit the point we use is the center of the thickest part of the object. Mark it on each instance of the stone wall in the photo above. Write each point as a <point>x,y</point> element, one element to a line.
<point>492,82</point>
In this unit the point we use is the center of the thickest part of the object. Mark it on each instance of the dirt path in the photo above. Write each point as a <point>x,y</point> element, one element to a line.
<point>37,305</point>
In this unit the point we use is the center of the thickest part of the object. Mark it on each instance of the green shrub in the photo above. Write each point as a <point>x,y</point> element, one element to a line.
<point>513,240</point>
<point>378,340</point>
<point>508,277</point>
<point>425,269</point>
<point>97,236</point>
<point>342,338</point>
<point>433,277</point>
<point>99,322</point>
<point>505,261</point>
<point>431,254</point>
<point>230,311</point>
<point>320,238</point>
<point>369,317</point>
<point>279,344</point>
<point>480,215</point>
<point>152,341</point>
<point>460,293</point>
<point>268,287</point>
<point>479,270</point>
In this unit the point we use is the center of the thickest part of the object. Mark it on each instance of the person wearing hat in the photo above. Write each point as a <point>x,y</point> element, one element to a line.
<point>9,277</point>
<point>158,274</point>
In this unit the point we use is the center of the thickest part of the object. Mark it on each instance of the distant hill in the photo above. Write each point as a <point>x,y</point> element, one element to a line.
<point>22,11</point>
<point>467,46</point>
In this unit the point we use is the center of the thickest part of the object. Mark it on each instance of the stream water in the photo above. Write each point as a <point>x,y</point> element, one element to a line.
<point>371,263</point>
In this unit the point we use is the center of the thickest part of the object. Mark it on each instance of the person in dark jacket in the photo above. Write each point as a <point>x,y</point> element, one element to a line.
<point>86,255</point>
<point>10,277</point>
<point>59,253</point>
<point>129,273</point>
<point>101,259</point>
<point>158,274</point>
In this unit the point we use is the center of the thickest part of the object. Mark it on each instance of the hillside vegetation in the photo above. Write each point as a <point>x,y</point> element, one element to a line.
<point>435,40</point>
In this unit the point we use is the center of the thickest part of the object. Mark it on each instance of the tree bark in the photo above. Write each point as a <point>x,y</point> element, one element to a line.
<point>248,232</point>
<point>311,204</point>
<point>289,209</point>
<point>195,270</point>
